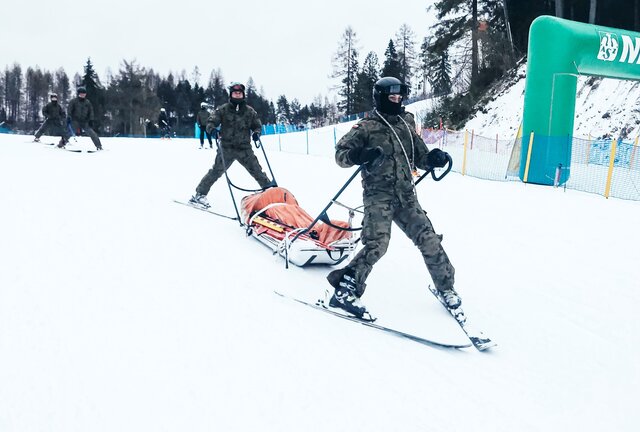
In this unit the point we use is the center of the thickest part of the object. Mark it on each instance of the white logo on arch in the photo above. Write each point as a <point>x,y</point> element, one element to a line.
<point>608,46</point>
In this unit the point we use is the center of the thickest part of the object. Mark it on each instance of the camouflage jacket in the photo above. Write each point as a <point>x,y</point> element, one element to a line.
<point>202,117</point>
<point>392,178</point>
<point>81,110</point>
<point>53,111</point>
<point>238,122</point>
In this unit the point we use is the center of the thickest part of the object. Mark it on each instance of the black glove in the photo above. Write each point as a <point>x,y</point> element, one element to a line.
<point>437,158</point>
<point>361,156</point>
<point>255,136</point>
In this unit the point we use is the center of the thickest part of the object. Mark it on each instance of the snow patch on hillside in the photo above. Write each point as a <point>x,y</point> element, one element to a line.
<point>604,108</point>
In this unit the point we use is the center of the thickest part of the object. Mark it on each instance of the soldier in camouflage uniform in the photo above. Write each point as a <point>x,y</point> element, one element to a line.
<point>388,146</point>
<point>81,114</point>
<point>201,119</point>
<point>54,121</point>
<point>239,122</point>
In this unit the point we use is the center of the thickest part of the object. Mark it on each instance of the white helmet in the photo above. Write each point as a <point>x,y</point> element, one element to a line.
<point>162,110</point>
<point>203,104</point>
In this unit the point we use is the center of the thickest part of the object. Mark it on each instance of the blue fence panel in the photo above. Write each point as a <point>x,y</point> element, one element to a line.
<point>601,151</point>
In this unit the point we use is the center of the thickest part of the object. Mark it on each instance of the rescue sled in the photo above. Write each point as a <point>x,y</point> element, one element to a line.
<point>275,218</point>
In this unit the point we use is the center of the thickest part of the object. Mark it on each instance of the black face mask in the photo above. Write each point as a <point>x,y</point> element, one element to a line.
<point>388,107</point>
<point>235,101</point>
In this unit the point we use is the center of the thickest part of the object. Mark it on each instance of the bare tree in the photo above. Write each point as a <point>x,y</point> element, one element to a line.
<point>405,48</point>
<point>345,66</point>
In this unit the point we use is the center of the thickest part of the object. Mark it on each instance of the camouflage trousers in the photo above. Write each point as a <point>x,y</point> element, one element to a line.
<point>376,233</point>
<point>246,158</point>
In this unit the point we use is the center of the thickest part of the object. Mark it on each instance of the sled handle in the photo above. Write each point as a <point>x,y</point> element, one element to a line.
<point>448,166</point>
<point>324,211</point>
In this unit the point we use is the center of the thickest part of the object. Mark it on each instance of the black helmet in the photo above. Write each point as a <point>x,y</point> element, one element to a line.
<point>82,89</point>
<point>53,95</point>
<point>388,86</point>
<point>236,86</point>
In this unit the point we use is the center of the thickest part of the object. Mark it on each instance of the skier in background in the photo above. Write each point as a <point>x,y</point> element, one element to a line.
<point>81,115</point>
<point>239,124</point>
<point>163,124</point>
<point>201,119</point>
<point>54,120</point>
<point>387,144</point>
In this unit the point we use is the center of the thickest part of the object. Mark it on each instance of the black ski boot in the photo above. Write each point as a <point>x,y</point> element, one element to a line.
<point>345,297</point>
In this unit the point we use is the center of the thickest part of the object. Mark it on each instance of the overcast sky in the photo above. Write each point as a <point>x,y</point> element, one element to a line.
<point>285,45</point>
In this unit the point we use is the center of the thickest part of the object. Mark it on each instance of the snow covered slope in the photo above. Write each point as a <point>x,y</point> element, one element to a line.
<point>122,311</point>
<point>604,107</point>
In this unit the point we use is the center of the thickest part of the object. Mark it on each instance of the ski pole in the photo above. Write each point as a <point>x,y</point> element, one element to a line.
<point>233,199</point>
<point>259,145</point>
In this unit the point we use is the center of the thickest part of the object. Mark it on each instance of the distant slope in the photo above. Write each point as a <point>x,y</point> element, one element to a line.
<point>604,107</point>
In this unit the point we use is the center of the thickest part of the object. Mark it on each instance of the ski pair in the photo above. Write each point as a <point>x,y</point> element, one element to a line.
<point>322,306</point>
<point>477,338</point>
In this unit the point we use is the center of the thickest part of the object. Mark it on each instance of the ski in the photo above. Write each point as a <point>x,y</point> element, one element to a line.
<point>81,151</point>
<point>477,338</point>
<point>205,210</point>
<point>73,150</point>
<point>321,306</point>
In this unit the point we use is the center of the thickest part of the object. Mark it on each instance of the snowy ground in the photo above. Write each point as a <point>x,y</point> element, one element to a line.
<point>122,311</point>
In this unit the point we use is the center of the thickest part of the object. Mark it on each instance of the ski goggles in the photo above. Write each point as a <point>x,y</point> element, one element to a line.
<point>400,89</point>
<point>237,88</point>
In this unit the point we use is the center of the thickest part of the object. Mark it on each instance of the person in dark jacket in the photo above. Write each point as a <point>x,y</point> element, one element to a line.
<point>81,115</point>
<point>239,124</point>
<point>201,119</point>
<point>163,124</point>
<point>54,119</point>
<point>388,147</point>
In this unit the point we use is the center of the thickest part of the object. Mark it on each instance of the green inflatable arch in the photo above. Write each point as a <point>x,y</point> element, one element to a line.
<point>559,51</point>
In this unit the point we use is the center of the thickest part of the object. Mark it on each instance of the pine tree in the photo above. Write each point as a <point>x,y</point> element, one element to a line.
<point>457,19</point>
<point>406,53</point>
<point>95,93</point>
<point>367,77</point>
<point>283,110</point>
<point>295,109</point>
<point>436,68</point>
<point>131,100</point>
<point>262,106</point>
<point>218,90</point>
<point>391,66</point>
<point>345,67</point>
<point>13,93</point>
<point>62,86</point>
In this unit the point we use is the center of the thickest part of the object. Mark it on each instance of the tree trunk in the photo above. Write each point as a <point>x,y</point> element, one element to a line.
<point>559,8</point>
<point>474,41</point>
<point>508,27</point>
<point>592,11</point>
